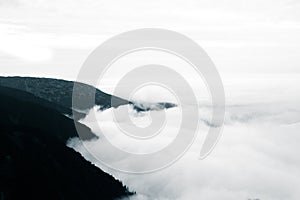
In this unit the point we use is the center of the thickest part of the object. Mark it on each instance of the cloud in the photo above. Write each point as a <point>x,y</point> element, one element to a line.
<point>256,158</point>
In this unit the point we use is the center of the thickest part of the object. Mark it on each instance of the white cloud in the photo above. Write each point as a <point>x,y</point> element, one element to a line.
<point>256,158</point>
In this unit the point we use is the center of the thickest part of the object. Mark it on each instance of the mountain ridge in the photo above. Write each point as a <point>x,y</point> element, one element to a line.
<point>35,162</point>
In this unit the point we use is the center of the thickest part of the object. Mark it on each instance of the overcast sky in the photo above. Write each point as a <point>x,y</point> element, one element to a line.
<point>53,38</point>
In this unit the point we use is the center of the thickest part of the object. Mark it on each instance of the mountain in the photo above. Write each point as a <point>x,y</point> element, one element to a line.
<point>35,124</point>
<point>20,108</point>
<point>146,106</point>
<point>59,94</point>
<point>35,162</point>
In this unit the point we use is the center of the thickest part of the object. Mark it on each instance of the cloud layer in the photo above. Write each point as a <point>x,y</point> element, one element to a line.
<point>256,158</point>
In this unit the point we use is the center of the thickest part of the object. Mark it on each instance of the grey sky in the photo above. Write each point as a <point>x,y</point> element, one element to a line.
<point>53,38</point>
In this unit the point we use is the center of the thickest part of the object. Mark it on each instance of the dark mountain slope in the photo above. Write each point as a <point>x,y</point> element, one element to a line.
<point>19,108</point>
<point>60,92</point>
<point>35,163</point>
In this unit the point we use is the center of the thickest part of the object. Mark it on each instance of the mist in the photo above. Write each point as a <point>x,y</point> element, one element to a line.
<point>257,156</point>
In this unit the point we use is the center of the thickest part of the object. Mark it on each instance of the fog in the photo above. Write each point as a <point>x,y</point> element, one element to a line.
<point>257,156</point>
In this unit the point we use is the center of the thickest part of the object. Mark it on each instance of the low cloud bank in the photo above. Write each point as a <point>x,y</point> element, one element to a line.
<point>256,158</point>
